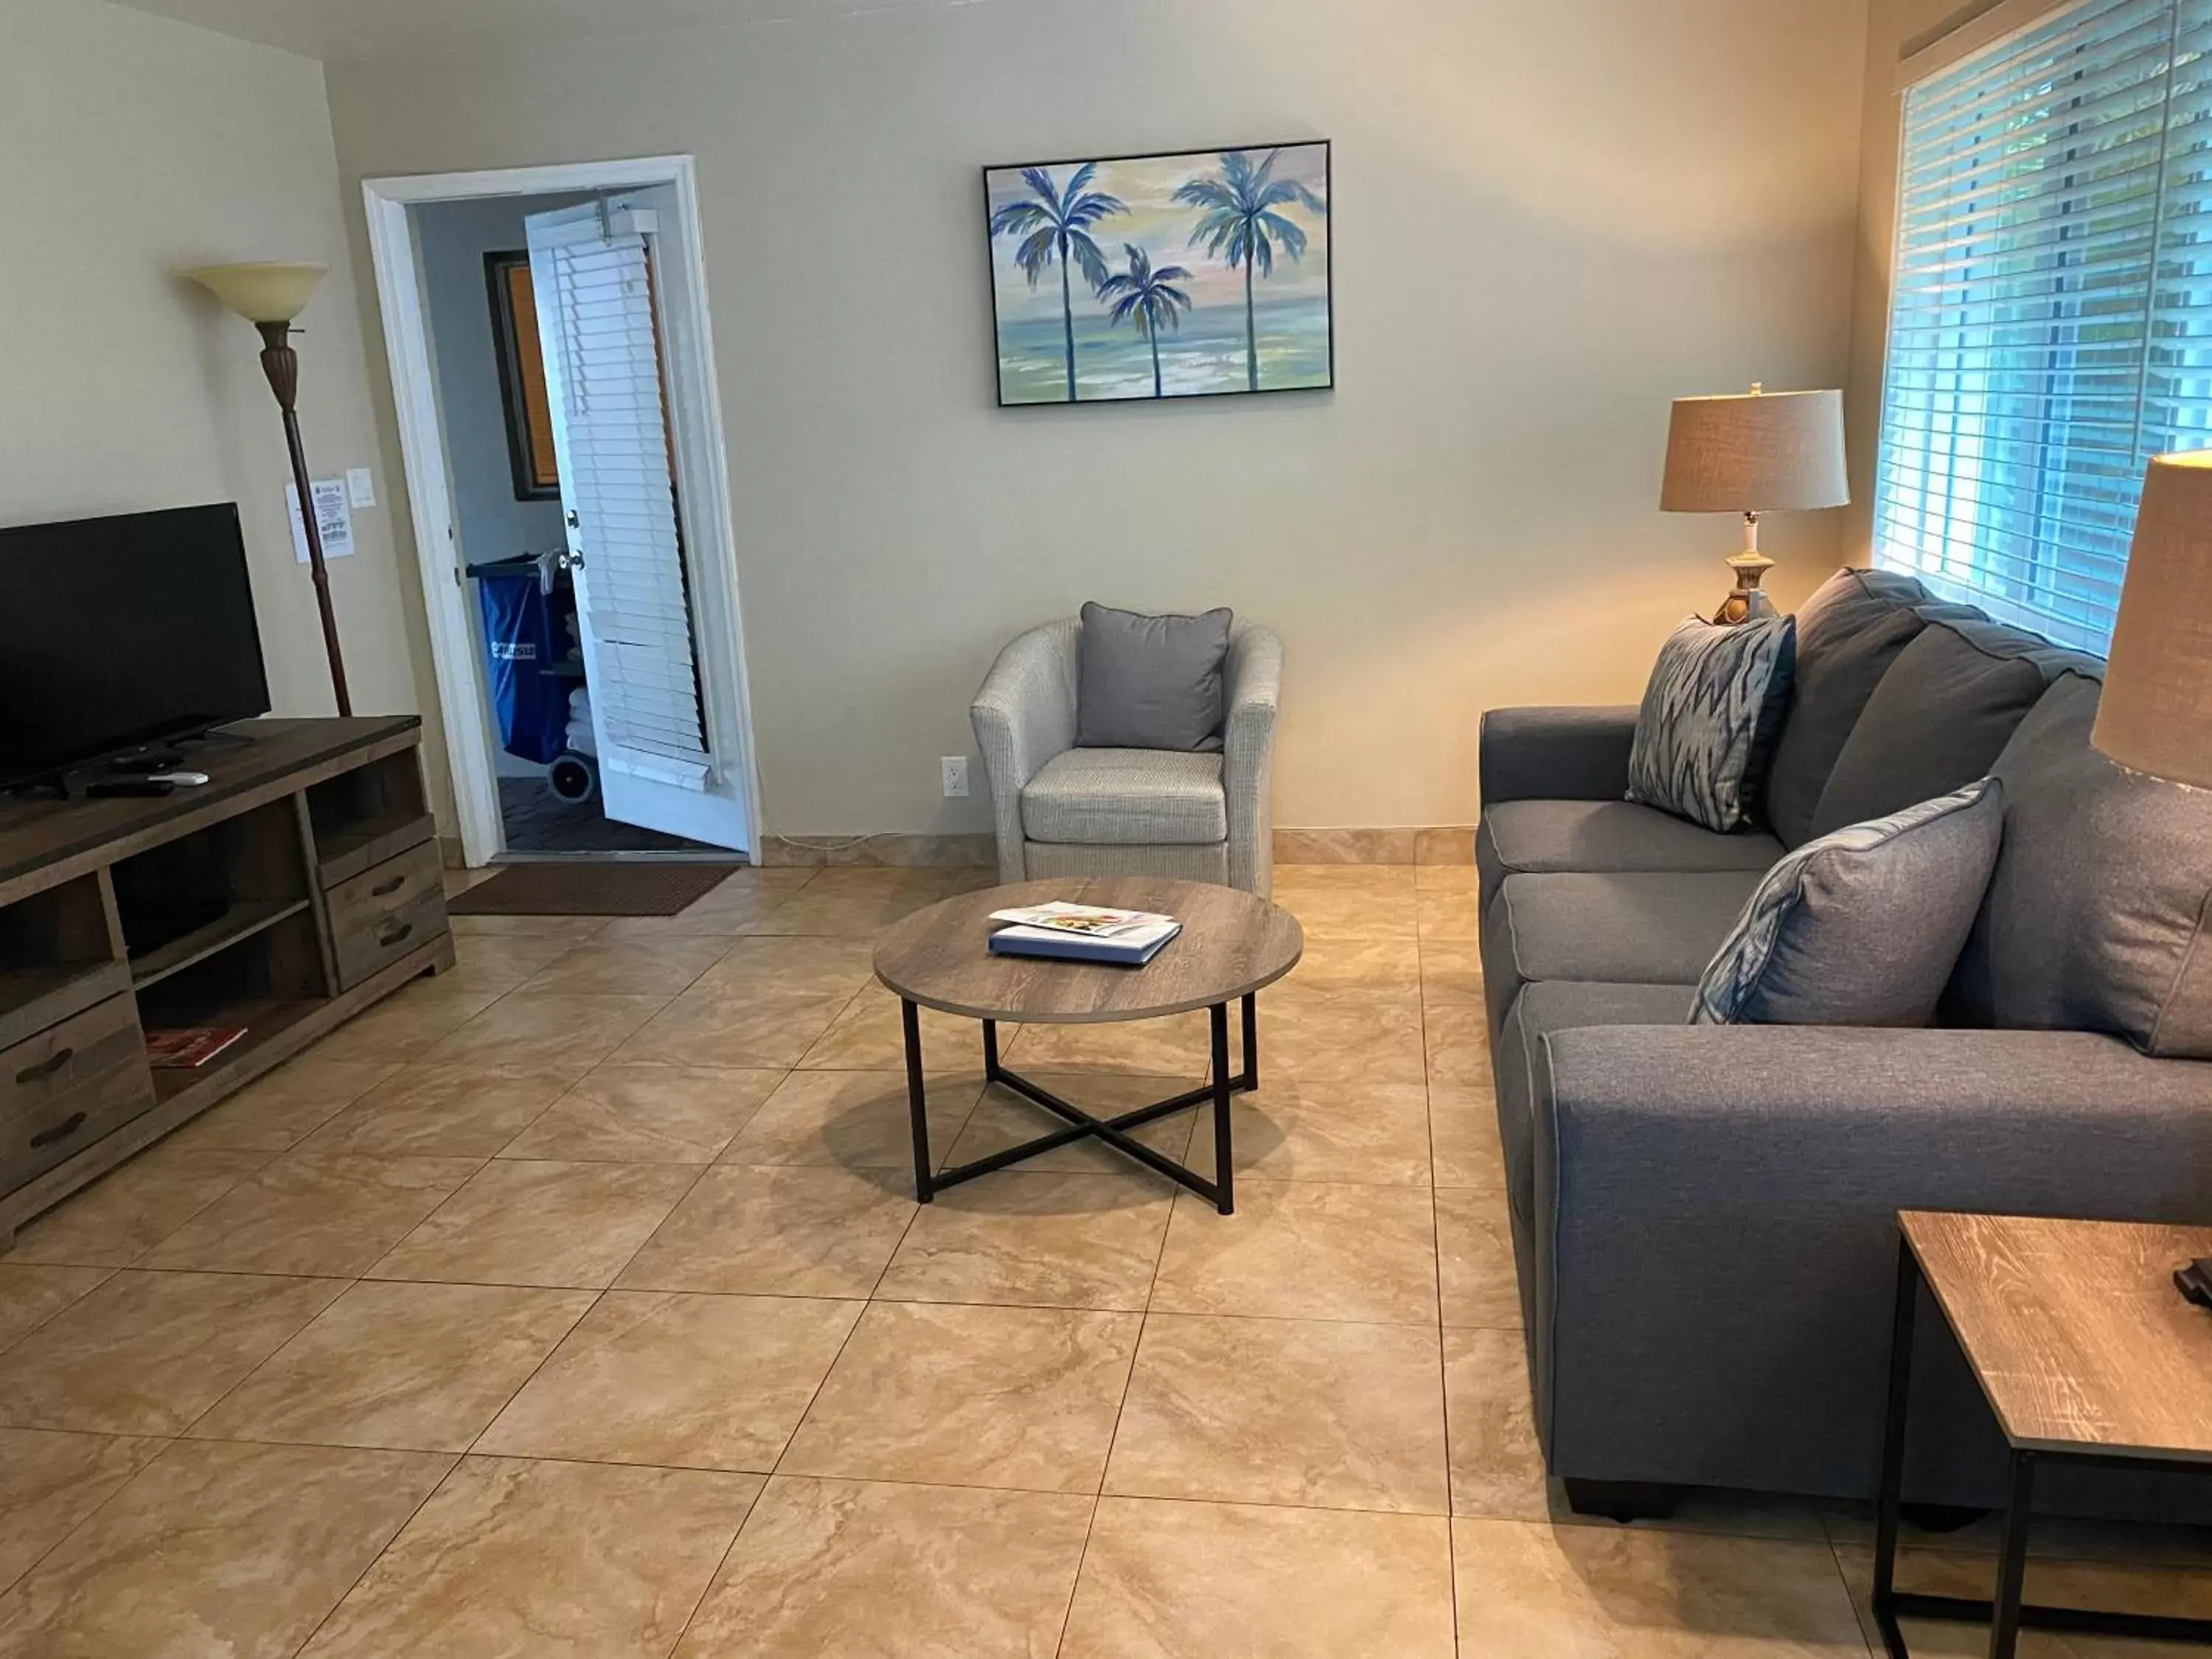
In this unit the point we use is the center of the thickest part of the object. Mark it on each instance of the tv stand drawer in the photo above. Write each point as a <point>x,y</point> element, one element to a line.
<point>68,1086</point>
<point>386,911</point>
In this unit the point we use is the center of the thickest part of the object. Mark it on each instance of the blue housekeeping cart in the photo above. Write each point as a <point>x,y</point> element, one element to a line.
<point>528,610</point>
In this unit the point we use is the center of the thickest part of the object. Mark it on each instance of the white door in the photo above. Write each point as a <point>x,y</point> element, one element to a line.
<point>660,764</point>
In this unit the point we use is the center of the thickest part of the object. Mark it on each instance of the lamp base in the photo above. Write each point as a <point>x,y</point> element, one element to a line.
<point>1747,600</point>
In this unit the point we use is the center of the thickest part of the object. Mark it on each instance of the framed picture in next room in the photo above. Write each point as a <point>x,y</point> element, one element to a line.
<point>1190,275</point>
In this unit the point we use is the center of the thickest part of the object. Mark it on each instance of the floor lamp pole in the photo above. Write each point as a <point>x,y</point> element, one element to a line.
<point>281,365</point>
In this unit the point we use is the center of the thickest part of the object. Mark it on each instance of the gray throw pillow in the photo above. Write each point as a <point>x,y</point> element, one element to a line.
<point>1711,713</point>
<point>1862,927</point>
<point>1149,681</point>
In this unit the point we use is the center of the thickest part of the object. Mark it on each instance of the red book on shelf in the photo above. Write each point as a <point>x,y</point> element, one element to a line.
<point>191,1046</point>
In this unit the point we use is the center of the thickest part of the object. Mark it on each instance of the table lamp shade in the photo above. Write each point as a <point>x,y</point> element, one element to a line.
<point>1757,451</point>
<point>2155,714</point>
<point>270,293</point>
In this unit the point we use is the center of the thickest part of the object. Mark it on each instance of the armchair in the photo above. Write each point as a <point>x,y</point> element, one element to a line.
<point>1061,810</point>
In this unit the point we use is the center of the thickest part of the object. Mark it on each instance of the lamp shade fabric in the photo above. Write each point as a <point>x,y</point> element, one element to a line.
<point>2155,715</point>
<point>272,293</point>
<point>1755,453</point>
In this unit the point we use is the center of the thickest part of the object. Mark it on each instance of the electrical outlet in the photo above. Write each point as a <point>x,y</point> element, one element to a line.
<point>954,769</point>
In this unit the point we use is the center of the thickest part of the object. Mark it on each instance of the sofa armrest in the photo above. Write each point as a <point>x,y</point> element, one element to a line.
<point>1023,715</point>
<point>1556,754</point>
<point>1714,1229</point>
<point>1253,688</point>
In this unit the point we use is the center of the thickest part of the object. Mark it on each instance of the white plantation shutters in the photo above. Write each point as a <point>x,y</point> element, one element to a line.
<point>615,476</point>
<point>2051,322</point>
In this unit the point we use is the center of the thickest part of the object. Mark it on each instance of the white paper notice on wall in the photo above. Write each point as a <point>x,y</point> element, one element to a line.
<point>333,518</point>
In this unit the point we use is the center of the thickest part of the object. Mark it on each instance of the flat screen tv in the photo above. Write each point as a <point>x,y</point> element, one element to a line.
<point>119,632</point>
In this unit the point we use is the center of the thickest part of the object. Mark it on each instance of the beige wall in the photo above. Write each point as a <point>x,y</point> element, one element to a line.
<point>130,146</point>
<point>1550,220</point>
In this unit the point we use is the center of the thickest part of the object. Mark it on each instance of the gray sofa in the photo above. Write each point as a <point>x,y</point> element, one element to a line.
<point>1702,1216</point>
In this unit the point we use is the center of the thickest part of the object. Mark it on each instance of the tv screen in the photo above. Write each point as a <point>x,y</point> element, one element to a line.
<point>122,631</point>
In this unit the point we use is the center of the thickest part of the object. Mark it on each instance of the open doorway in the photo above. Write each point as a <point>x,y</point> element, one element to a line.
<point>551,364</point>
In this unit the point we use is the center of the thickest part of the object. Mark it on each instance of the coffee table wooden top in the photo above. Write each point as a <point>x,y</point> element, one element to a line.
<point>2075,1330</point>
<point>1231,943</point>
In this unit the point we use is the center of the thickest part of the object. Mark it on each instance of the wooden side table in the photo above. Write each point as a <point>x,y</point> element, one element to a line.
<point>2085,1351</point>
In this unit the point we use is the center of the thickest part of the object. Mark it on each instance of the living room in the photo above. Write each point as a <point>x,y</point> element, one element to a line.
<point>681,1271</point>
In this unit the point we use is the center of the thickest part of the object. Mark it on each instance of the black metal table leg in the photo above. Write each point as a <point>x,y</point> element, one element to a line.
<point>990,1051</point>
<point>917,1100</point>
<point>1251,1078</point>
<point>1893,1451</point>
<point>1225,1171</point>
<point>2012,1558</point>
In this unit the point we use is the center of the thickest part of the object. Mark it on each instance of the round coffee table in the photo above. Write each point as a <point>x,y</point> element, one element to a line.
<point>1232,946</point>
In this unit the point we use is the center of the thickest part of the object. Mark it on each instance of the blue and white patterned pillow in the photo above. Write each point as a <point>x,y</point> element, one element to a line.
<point>1711,715</point>
<point>1862,927</point>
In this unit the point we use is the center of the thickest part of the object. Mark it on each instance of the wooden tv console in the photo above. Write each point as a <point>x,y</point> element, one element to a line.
<point>310,854</point>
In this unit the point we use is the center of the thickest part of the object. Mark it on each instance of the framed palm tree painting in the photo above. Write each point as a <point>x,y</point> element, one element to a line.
<point>1183,275</point>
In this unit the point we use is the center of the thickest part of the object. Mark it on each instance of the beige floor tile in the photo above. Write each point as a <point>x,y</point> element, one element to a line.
<point>1348,910</point>
<point>53,1481</point>
<point>128,1211</point>
<point>1165,1580</point>
<point>1451,971</point>
<point>1458,1038</point>
<point>870,1034</point>
<point>31,1295</point>
<point>147,1352</point>
<point>1178,1046</point>
<point>794,1231</point>
<point>1307,1413</point>
<point>1356,1133</point>
<point>1341,962</point>
<point>1610,1591</point>
<point>280,1110</point>
<point>647,1114</point>
<point>1303,1250</point>
<point>694,1382</point>
<point>553,1560</point>
<point>531,1222</point>
<point>1496,1465</point>
<point>1385,883</point>
<point>768,1031</point>
<point>1463,1138</point>
<point>562,930</point>
<point>744,901</point>
<point>644,968</point>
<point>410,1367</point>
<point>838,902</point>
<point>449,1110</point>
<point>410,1023</point>
<point>312,1212</point>
<point>840,1567</point>
<point>501,962</point>
<point>1339,1036</point>
<point>790,964</point>
<point>1448,914</point>
<point>1004,1119</point>
<point>1457,877</point>
<point>1036,1239</point>
<point>218,1550</point>
<point>859,1119</point>
<point>1015,1397</point>
<point>577,1032</point>
<point>2176,1593</point>
<point>1474,1258</point>
<point>2057,1538</point>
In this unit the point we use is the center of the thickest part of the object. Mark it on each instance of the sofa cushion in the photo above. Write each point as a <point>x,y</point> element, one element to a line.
<point>1606,835</point>
<point>1848,635</point>
<point>1940,715</point>
<point>1862,927</point>
<point>1636,927</point>
<point>1149,681</point>
<point>1094,797</point>
<point>1711,713</point>
<point>2095,916</point>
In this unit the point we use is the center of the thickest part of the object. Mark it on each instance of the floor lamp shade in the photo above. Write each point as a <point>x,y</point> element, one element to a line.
<point>267,293</point>
<point>2155,714</point>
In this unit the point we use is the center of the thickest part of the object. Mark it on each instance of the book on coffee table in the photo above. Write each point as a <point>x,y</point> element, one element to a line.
<point>189,1047</point>
<point>1082,932</point>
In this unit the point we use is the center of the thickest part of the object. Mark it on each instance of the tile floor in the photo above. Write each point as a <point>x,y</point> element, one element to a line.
<point>573,1304</point>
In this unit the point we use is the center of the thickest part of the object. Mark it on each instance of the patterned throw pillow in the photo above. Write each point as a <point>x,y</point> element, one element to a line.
<point>1862,927</point>
<point>1711,716</point>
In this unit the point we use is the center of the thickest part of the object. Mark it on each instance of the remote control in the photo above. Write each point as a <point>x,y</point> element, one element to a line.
<point>106,786</point>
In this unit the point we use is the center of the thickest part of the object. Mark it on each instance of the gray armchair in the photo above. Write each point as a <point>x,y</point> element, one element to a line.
<point>1061,810</point>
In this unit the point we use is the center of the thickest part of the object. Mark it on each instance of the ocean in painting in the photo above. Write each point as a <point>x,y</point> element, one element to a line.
<point>1165,275</point>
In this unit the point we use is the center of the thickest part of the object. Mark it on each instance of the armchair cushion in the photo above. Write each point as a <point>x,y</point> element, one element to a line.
<point>1150,682</point>
<point>1127,796</point>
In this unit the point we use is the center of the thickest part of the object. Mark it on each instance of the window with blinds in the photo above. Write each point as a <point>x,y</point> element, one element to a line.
<point>2051,321</point>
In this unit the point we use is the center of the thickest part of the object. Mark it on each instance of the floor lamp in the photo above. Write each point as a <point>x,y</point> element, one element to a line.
<point>270,296</point>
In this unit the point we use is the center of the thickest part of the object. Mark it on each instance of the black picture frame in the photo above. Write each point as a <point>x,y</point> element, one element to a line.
<point>535,468</point>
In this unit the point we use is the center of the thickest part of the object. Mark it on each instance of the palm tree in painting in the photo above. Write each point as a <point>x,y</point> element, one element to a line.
<point>1241,224</point>
<point>1056,224</point>
<point>1151,296</point>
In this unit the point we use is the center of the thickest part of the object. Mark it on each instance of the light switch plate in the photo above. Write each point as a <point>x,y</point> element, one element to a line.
<point>360,486</point>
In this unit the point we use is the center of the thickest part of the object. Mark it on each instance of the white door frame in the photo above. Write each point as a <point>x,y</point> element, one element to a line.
<point>702,458</point>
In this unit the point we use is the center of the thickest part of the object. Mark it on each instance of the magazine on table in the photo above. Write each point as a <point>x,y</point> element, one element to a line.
<point>1082,932</point>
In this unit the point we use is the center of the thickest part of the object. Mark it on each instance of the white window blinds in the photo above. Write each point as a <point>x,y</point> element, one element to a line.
<point>2051,321</point>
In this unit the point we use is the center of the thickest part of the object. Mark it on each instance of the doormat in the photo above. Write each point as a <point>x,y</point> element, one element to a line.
<point>590,890</point>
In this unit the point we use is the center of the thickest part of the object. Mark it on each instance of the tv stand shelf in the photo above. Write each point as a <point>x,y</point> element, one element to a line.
<point>311,855</point>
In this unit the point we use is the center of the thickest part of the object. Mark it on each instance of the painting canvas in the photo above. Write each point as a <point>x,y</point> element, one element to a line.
<point>1183,275</point>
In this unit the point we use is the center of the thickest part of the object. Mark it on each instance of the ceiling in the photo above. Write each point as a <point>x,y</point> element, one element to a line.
<point>352,31</point>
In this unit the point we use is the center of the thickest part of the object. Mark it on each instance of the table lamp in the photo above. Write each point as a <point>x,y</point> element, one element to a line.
<point>270,296</point>
<point>1751,453</point>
